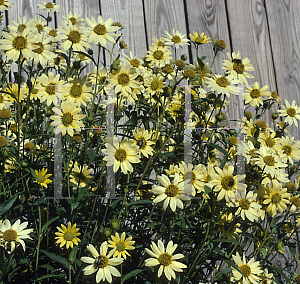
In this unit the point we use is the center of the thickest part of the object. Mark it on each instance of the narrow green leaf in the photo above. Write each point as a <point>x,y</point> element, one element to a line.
<point>130,274</point>
<point>6,205</point>
<point>49,276</point>
<point>73,254</point>
<point>56,258</point>
<point>48,223</point>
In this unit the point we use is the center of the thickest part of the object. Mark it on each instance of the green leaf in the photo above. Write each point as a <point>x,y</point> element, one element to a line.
<point>48,266</point>
<point>6,205</point>
<point>56,258</point>
<point>279,271</point>
<point>140,201</point>
<point>220,149</point>
<point>130,274</point>
<point>49,276</point>
<point>227,241</point>
<point>48,223</point>
<point>200,62</point>
<point>87,55</point>
<point>73,254</point>
<point>203,58</point>
<point>90,154</point>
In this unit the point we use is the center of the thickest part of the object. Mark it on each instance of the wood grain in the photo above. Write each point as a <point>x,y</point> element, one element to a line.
<point>131,16</point>
<point>284,22</point>
<point>164,15</point>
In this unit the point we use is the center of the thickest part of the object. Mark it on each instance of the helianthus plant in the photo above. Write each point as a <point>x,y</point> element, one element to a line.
<point>96,163</point>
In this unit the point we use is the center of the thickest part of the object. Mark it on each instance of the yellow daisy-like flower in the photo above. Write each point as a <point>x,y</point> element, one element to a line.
<point>38,23</point>
<point>199,39</point>
<point>74,36</point>
<point>237,68</point>
<point>276,198</point>
<point>121,155</point>
<point>290,112</point>
<point>195,176</point>
<point>143,140</point>
<point>228,230</point>
<point>172,193</point>
<point>124,80</point>
<point>80,175</point>
<point>250,269</point>
<point>5,101</point>
<point>42,49</point>
<point>154,84</point>
<point>267,138</point>
<point>177,39</point>
<point>165,258</point>
<point>48,6</point>
<point>14,234</point>
<point>67,119</point>
<point>268,161</point>
<point>67,236</point>
<point>225,183</point>
<point>266,277</point>
<point>133,61</point>
<point>74,18</point>
<point>255,96</point>
<point>159,56</point>
<point>100,31</point>
<point>17,44</point>
<point>222,85</point>
<point>41,177</point>
<point>78,92</point>
<point>4,5</point>
<point>47,88</point>
<point>12,89</point>
<point>101,263</point>
<point>292,151</point>
<point>121,244</point>
<point>295,203</point>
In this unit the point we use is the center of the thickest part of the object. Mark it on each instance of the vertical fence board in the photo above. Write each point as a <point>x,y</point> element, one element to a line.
<point>284,23</point>
<point>131,16</point>
<point>164,15</point>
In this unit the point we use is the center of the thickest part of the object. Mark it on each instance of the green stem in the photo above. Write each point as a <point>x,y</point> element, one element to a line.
<point>39,242</point>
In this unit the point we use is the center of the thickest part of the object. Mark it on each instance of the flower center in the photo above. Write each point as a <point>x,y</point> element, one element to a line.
<point>168,69</point>
<point>176,39</point>
<point>141,142</point>
<point>21,27</point>
<point>244,203</point>
<point>269,160</point>
<point>121,155</point>
<point>40,179</point>
<point>165,259</point>
<point>227,182</point>
<point>49,5</point>
<point>40,49</point>
<point>220,43</point>
<point>2,2</point>
<point>73,21</point>
<point>291,112</point>
<point>50,89</point>
<point>160,43</point>
<point>255,93</point>
<point>158,54</point>
<point>123,79</point>
<point>67,119</point>
<point>79,177</point>
<point>295,200</point>
<point>238,66</point>
<point>269,142</point>
<point>101,261</point>
<point>19,42</point>
<point>172,190</point>
<point>69,236</point>
<point>28,146</point>
<point>100,29</point>
<point>74,36</point>
<point>120,246</point>
<point>198,39</point>
<point>245,268</point>
<point>276,198</point>
<point>155,84</point>
<point>3,141</point>
<point>207,179</point>
<point>222,82</point>
<point>101,80</point>
<point>76,91</point>
<point>191,176</point>
<point>134,62</point>
<point>39,27</point>
<point>287,149</point>
<point>10,235</point>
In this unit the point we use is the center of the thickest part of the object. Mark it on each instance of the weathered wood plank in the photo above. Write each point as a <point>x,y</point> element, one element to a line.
<point>164,15</point>
<point>130,15</point>
<point>85,9</point>
<point>284,22</point>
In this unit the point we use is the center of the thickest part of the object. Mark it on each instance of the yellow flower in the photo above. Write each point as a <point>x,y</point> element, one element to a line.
<point>228,230</point>
<point>101,263</point>
<point>237,68</point>
<point>290,112</point>
<point>292,151</point>
<point>172,193</point>
<point>14,234</point>
<point>159,56</point>
<point>250,269</point>
<point>199,39</point>
<point>121,244</point>
<point>4,5</point>
<point>143,140</point>
<point>121,155</point>
<point>165,258</point>
<point>41,177</point>
<point>67,236</point>
<point>74,18</point>
<point>222,85</point>
<point>67,119</point>
<point>80,175</point>
<point>49,7</point>
<point>177,39</point>
<point>255,96</point>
